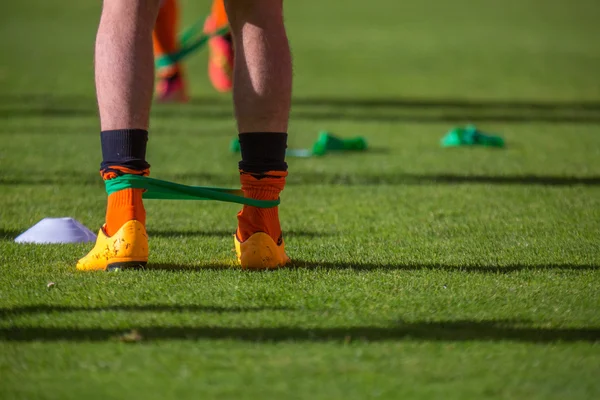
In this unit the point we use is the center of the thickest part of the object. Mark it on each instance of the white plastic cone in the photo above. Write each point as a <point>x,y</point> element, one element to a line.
<point>57,230</point>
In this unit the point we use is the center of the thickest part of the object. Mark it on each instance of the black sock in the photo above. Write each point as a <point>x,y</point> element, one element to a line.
<point>124,148</point>
<point>263,152</point>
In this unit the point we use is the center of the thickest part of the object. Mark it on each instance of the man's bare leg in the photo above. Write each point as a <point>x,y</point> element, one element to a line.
<point>262,66</point>
<point>262,85</point>
<point>124,63</point>
<point>124,85</point>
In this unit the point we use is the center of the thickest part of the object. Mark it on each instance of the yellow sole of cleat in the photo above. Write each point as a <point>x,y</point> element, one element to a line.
<point>119,266</point>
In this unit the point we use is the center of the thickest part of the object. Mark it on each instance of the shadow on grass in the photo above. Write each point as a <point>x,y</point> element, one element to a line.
<point>330,101</point>
<point>173,130</point>
<point>406,102</point>
<point>312,178</point>
<point>9,234</point>
<point>171,308</point>
<point>323,178</point>
<point>230,233</point>
<point>455,117</point>
<point>360,109</point>
<point>494,269</point>
<point>325,265</point>
<point>444,331</point>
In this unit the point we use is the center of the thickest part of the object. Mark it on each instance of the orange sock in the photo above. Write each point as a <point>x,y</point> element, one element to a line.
<point>124,205</point>
<point>254,219</point>
<point>164,36</point>
<point>218,14</point>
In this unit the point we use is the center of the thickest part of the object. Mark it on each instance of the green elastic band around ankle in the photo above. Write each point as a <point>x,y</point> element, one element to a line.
<point>165,190</point>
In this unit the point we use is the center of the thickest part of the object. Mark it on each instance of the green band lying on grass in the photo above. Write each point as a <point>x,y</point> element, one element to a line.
<point>164,190</point>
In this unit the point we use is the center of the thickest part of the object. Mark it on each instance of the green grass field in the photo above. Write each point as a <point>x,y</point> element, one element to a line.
<point>420,272</point>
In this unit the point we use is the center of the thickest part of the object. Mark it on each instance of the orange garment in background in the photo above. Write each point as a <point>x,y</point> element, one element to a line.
<point>164,36</point>
<point>218,14</point>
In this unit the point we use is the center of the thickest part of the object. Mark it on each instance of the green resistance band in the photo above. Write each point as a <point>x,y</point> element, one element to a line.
<point>188,46</point>
<point>165,190</point>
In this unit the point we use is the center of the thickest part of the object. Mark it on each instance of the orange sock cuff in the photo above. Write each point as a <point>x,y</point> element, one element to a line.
<point>265,186</point>
<point>114,171</point>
